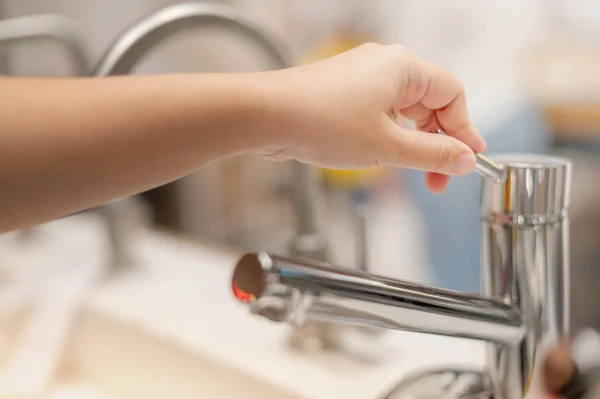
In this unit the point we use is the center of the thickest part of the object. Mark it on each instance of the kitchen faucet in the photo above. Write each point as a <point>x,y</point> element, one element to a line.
<point>138,40</point>
<point>524,258</point>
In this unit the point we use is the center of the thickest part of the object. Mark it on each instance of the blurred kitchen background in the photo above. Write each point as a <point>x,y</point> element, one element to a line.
<point>132,301</point>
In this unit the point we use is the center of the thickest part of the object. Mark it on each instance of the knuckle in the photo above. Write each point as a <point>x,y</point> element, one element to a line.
<point>399,52</point>
<point>442,156</point>
<point>370,46</point>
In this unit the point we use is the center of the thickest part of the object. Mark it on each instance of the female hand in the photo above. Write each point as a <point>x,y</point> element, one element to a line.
<point>342,113</point>
<point>103,139</point>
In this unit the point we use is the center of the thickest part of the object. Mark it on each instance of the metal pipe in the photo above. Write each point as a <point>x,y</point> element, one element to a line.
<point>489,169</point>
<point>145,35</point>
<point>360,216</point>
<point>525,265</point>
<point>524,259</point>
<point>317,290</point>
<point>486,167</point>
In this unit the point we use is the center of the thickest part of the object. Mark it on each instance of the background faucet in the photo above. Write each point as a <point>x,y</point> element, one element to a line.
<point>525,277</point>
<point>137,41</point>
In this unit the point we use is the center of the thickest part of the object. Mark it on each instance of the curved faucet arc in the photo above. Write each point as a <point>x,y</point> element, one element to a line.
<point>137,41</point>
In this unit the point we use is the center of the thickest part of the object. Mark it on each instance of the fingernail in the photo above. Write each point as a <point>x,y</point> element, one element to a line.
<point>466,163</point>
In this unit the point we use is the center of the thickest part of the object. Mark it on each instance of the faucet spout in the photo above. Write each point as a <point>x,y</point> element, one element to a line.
<point>145,35</point>
<point>283,289</point>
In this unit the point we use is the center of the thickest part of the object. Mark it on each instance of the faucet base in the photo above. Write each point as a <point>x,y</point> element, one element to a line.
<point>443,383</point>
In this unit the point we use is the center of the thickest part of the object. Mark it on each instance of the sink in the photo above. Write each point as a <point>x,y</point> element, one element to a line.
<point>170,328</point>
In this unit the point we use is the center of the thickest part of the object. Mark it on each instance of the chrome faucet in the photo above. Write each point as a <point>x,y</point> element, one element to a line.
<point>525,265</point>
<point>138,40</point>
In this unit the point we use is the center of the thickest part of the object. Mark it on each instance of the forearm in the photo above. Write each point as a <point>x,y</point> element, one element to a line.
<point>68,145</point>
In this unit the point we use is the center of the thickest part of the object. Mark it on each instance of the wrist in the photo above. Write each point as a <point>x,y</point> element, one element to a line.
<point>266,111</point>
<point>244,113</point>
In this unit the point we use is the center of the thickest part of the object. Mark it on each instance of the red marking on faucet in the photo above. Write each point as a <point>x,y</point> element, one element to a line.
<point>240,295</point>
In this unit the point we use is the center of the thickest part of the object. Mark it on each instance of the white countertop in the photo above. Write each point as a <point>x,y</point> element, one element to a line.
<point>181,294</point>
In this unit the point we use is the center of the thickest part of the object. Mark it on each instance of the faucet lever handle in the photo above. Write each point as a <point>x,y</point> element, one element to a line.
<point>485,166</point>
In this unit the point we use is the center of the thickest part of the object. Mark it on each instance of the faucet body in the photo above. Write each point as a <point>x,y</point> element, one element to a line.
<point>143,37</point>
<point>525,268</point>
<point>524,255</point>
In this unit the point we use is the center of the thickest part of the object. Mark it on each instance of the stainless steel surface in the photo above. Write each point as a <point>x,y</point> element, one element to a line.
<point>145,35</point>
<point>309,240</point>
<point>535,191</point>
<point>316,290</point>
<point>362,236</point>
<point>489,169</point>
<point>525,268</point>
<point>46,27</point>
<point>122,218</point>
<point>443,384</point>
<point>486,167</point>
<point>524,241</point>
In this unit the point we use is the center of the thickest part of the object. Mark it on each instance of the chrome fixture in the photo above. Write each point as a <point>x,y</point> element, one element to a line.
<point>145,35</point>
<point>486,167</point>
<point>525,266</point>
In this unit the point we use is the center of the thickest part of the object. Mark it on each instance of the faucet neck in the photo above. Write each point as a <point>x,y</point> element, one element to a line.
<point>283,289</point>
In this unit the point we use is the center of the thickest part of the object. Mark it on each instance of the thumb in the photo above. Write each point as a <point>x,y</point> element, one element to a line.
<point>432,152</point>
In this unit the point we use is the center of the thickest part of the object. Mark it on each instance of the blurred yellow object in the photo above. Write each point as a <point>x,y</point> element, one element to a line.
<point>343,178</point>
<point>333,46</point>
<point>351,178</point>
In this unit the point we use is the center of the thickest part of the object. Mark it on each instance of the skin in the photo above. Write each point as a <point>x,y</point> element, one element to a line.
<point>72,144</point>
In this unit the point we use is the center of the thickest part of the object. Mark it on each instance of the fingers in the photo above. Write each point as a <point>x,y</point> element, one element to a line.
<point>430,152</point>
<point>436,99</point>
<point>436,182</point>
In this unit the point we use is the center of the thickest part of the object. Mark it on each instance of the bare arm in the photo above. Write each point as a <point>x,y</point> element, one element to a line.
<point>72,144</point>
<point>68,145</point>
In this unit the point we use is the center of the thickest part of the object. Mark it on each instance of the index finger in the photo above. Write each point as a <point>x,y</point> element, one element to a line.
<point>445,96</point>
